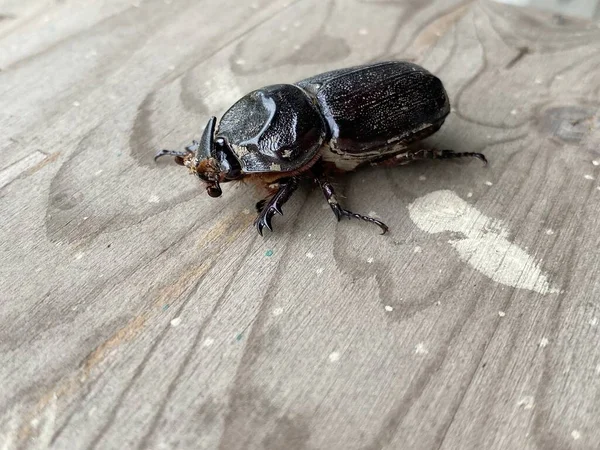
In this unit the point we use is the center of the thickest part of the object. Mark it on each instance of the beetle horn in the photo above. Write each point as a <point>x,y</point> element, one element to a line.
<point>207,144</point>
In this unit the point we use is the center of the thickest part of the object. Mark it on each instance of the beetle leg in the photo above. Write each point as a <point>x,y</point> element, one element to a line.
<point>268,208</point>
<point>170,153</point>
<point>404,158</point>
<point>340,212</point>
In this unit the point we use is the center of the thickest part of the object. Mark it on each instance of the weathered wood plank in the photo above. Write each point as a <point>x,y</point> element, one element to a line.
<point>139,313</point>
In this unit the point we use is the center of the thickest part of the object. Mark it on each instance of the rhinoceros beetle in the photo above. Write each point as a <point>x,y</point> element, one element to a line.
<point>330,123</point>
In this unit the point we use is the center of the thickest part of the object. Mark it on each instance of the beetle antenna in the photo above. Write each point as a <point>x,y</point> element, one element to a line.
<point>171,153</point>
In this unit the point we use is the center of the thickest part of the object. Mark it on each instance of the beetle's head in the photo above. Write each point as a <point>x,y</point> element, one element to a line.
<point>212,160</point>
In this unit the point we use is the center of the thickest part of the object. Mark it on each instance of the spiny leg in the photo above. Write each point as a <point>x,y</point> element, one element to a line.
<point>410,156</point>
<point>340,212</point>
<point>268,208</point>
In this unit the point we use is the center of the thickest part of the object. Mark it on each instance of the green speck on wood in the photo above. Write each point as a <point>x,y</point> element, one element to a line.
<point>269,253</point>
<point>238,337</point>
<point>165,307</point>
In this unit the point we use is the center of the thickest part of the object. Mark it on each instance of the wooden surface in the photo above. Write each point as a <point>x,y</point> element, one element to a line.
<point>137,312</point>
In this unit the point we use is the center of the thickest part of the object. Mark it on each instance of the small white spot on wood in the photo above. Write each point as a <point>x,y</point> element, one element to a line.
<point>538,81</point>
<point>320,270</point>
<point>98,172</point>
<point>240,61</point>
<point>153,199</point>
<point>501,313</point>
<point>171,67</point>
<point>76,104</point>
<point>208,342</point>
<point>370,260</point>
<point>544,342</point>
<point>246,211</point>
<point>488,183</point>
<point>420,349</point>
<point>388,308</point>
<point>514,112</point>
<point>417,249</point>
<point>576,435</point>
<point>598,369</point>
<point>588,177</point>
<point>526,402</point>
<point>176,322</point>
<point>297,47</point>
<point>13,171</point>
<point>469,195</point>
<point>596,162</point>
<point>78,256</point>
<point>277,311</point>
<point>334,356</point>
<point>86,218</point>
<point>310,255</point>
<point>549,232</point>
<point>594,321</point>
<point>422,178</point>
<point>363,31</point>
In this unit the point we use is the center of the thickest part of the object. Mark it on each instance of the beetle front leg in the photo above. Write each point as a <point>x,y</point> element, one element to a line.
<point>340,212</point>
<point>268,208</point>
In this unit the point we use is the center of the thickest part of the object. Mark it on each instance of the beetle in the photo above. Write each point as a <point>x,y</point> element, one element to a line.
<point>333,122</point>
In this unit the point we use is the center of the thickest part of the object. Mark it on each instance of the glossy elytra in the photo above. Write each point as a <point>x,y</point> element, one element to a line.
<point>334,122</point>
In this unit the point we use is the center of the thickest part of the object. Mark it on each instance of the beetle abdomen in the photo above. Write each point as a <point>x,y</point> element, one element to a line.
<point>273,129</point>
<point>383,105</point>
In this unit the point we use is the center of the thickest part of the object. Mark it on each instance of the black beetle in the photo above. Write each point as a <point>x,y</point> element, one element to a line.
<point>330,123</point>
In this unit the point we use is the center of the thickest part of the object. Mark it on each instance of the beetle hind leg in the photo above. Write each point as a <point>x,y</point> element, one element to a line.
<point>268,208</point>
<point>340,212</point>
<point>410,156</point>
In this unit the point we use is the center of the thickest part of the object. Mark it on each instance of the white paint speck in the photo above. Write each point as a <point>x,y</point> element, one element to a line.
<point>388,308</point>
<point>489,183</point>
<point>240,61</point>
<point>576,435</point>
<point>514,112</point>
<point>526,402</point>
<point>76,104</point>
<point>417,249</point>
<point>594,321</point>
<point>544,342</point>
<point>370,260</point>
<point>86,218</point>
<point>98,172</point>
<point>246,211</point>
<point>598,369</point>
<point>469,195</point>
<point>483,242</point>
<point>277,311</point>
<point>208,342</point>
<point>79,256</point>
<point>549,232</point>
<point>171,67</point>
<point>538,81</point>
<point>153,199</point>
<point>420,349</point>
<point>176,322</point>
<point>501,313</point>
<point>334,356</point>
<point>422,178</point>
<point>588,177</point>
<point>320,270</point>
<point>297,47</point>
<point>363,31</point>
<point>310,255</point>
<point>596,162</point>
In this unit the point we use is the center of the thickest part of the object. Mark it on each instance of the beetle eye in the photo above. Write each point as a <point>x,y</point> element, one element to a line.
<point>214,191</point>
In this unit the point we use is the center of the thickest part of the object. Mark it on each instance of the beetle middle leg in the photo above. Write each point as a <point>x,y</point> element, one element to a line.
<point>268,208</point>
<point>340,212</point>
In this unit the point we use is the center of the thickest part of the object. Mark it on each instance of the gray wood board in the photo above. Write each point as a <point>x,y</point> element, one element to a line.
<point>137,312</point>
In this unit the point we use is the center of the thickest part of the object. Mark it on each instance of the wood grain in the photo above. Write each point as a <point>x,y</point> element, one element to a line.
<point>139,313</point>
